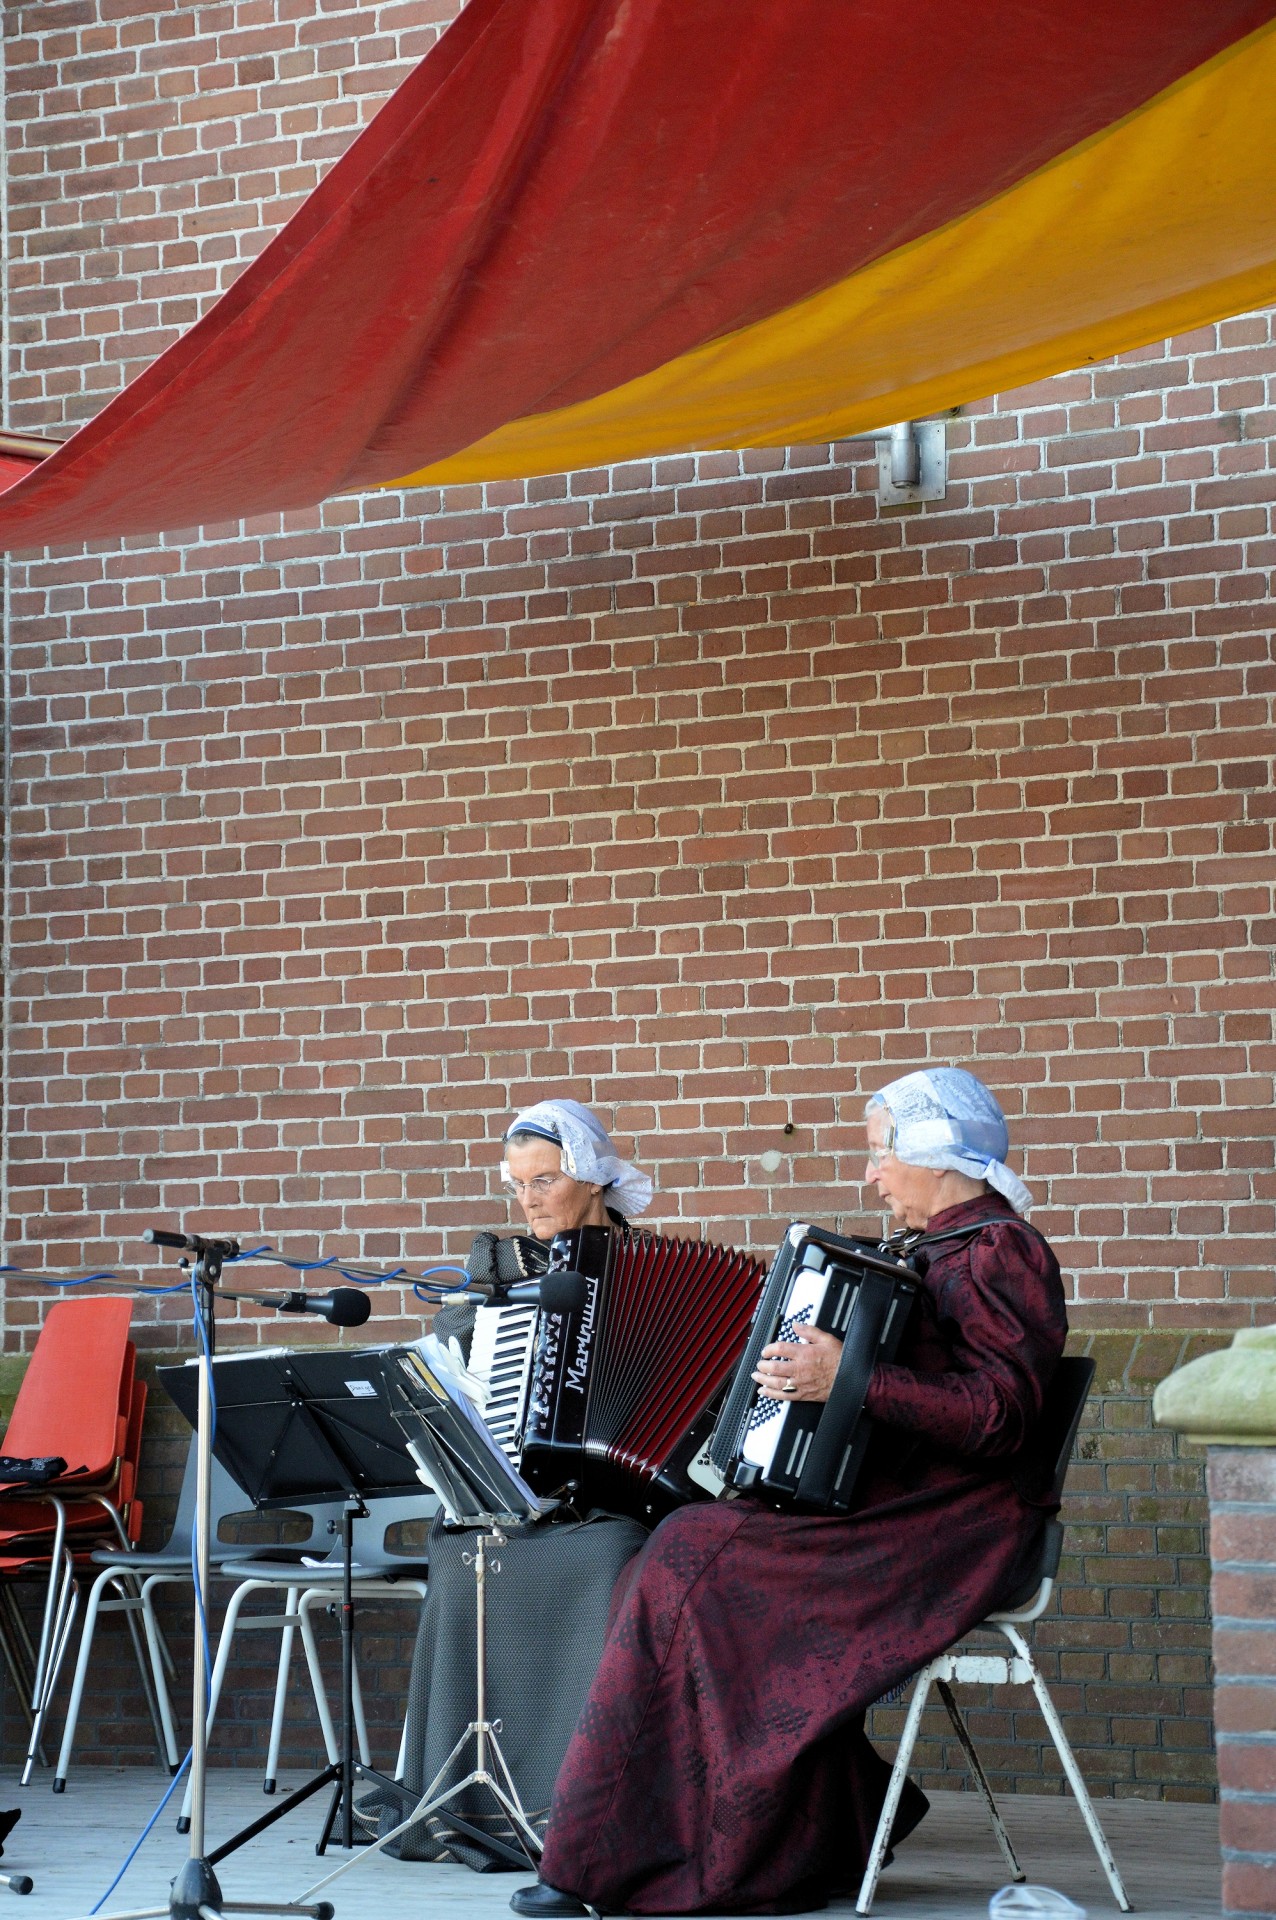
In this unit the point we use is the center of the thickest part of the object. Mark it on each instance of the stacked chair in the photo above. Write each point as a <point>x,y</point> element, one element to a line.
<point>80,1402</point>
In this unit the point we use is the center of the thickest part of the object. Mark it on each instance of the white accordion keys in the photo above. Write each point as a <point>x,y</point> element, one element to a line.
<point>502,1348</point>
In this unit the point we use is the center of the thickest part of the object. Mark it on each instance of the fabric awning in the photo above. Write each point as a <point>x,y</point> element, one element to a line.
<point>20,453</point>
<point>591,230</point>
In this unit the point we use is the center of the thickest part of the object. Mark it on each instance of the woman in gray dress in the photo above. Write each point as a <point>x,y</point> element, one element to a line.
<point>548,1607</point>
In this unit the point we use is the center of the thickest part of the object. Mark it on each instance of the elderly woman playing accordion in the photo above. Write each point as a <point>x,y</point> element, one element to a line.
<point>721,1763</point>
<point>548,1609</point>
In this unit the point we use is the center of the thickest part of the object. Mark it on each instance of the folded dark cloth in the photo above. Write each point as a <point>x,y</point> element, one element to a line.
<point>31,1473</point>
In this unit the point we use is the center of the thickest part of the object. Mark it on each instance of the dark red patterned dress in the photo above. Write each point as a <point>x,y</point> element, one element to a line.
<point>720,1764</point>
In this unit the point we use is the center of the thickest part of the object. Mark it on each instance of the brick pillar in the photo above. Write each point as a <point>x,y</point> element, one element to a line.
<point>1228,1402</point>
<point>1242,1485</point>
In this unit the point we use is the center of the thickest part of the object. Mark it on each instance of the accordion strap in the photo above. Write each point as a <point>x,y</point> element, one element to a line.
<point>846,1396</point>
<point>921,1243</point>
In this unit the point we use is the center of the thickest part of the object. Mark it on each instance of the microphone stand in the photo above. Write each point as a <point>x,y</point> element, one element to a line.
<point>195,1894</point>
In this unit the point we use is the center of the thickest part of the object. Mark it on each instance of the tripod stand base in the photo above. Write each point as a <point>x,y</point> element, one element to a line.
<point>195,1890</point>
<point>502,1790</point>
<point>197,1896</point>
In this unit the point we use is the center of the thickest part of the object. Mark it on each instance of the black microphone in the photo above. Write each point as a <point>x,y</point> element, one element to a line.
<point>344,1306</point>
<point>564,1292</point>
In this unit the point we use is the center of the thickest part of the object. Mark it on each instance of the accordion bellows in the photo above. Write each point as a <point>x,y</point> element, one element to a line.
<point>622,1394</point>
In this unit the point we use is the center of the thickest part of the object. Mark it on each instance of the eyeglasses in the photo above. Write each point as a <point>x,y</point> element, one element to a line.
<point>876,1155</point>
<point>540,1185</point>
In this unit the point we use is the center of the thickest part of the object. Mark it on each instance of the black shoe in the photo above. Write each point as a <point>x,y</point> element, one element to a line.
<point>544,1902</point>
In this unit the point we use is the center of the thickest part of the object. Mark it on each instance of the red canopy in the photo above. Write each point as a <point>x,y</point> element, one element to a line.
<point>583,230</point>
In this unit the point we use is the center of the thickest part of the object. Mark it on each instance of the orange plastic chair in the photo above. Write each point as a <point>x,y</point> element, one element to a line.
<point>69,1399</point>
<point>74,1402</point>
<point>86,1521</point>
<point>27,1518</point>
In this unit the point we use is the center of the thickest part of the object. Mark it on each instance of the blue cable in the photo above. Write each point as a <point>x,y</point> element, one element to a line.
<point>423,1292</point>
<point>365,1276</point>
<point>142,1836</point>
<point>201,1334</point>
<point>420,1283</point>
<point>84,1280</point>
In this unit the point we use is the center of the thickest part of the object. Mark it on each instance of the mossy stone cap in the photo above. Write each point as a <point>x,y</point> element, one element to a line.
<point>1225,1399</point>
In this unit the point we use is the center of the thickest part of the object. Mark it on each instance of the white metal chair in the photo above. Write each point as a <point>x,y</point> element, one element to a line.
<point>1060,1420</point>
<point>377,1574</point>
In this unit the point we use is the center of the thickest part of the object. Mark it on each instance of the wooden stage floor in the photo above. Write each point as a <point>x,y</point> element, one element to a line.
<point>73,1844</point>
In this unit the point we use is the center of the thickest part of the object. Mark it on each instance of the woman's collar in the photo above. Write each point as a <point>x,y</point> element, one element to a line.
<point>979,1208</point>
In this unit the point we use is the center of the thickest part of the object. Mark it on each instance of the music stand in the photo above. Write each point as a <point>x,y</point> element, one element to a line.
<point>296,1428</point>
<point>479,1488</point>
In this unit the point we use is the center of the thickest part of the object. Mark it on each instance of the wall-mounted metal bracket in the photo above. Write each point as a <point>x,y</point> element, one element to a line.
<point>912,463</point>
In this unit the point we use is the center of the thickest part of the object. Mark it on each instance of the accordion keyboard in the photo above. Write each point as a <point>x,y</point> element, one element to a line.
<point>501,1351</point>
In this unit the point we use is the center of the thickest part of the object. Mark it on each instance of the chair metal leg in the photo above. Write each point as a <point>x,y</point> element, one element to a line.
<point>321,1598</point>
<point>282,1675</point>
<point>81,1673</point>
<point>317,1687</point>
<point>53,1642</point>
<point>157,1650</point>
<point>981,1780</point>
<point>890,1806</point>
<point>130,1605</point>
<point>166,1577</point>
<point>52,1600</point>
<point>1070,1767</point>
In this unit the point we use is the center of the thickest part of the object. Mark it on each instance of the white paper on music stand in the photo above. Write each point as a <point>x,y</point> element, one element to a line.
<point>444,1368</point>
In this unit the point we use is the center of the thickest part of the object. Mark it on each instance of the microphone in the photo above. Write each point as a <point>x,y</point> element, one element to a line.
<point>343,1307</point>
<point>190,1242</point>
<point>563,1292</point>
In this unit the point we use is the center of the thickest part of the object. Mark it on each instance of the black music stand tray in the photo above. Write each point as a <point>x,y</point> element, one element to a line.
<point>478,1488</point>
<point>306,1427</point>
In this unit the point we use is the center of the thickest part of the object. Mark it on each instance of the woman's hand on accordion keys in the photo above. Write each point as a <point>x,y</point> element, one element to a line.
<point>799,1369</point>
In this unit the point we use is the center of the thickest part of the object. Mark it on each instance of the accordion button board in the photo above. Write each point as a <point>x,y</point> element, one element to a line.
<point>808,1454</point>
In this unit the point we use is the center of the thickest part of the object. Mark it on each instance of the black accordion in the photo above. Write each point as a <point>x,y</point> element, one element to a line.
<point>623,1394</point>
<point>805,1453</point>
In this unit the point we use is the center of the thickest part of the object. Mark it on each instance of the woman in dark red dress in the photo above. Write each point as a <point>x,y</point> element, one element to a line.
<point>720,1764</point>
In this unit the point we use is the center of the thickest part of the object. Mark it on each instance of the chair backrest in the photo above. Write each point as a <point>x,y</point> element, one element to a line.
<point>1049,1458</point>
<point>69,1399</point>
<point>227,1502</point>
<point>131,1463</point>
<point>1060,1418</point>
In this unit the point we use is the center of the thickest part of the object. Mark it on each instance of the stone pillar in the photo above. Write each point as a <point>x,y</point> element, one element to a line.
<point>1227,1402</point>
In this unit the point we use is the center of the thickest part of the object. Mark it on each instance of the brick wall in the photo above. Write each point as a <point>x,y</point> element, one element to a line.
<point>700,788</point>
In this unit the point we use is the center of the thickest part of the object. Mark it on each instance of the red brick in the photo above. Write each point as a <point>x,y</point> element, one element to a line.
<point>1249,1887</point>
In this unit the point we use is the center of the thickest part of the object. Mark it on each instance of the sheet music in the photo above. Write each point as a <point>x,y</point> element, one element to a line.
<point>440,1373</point>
